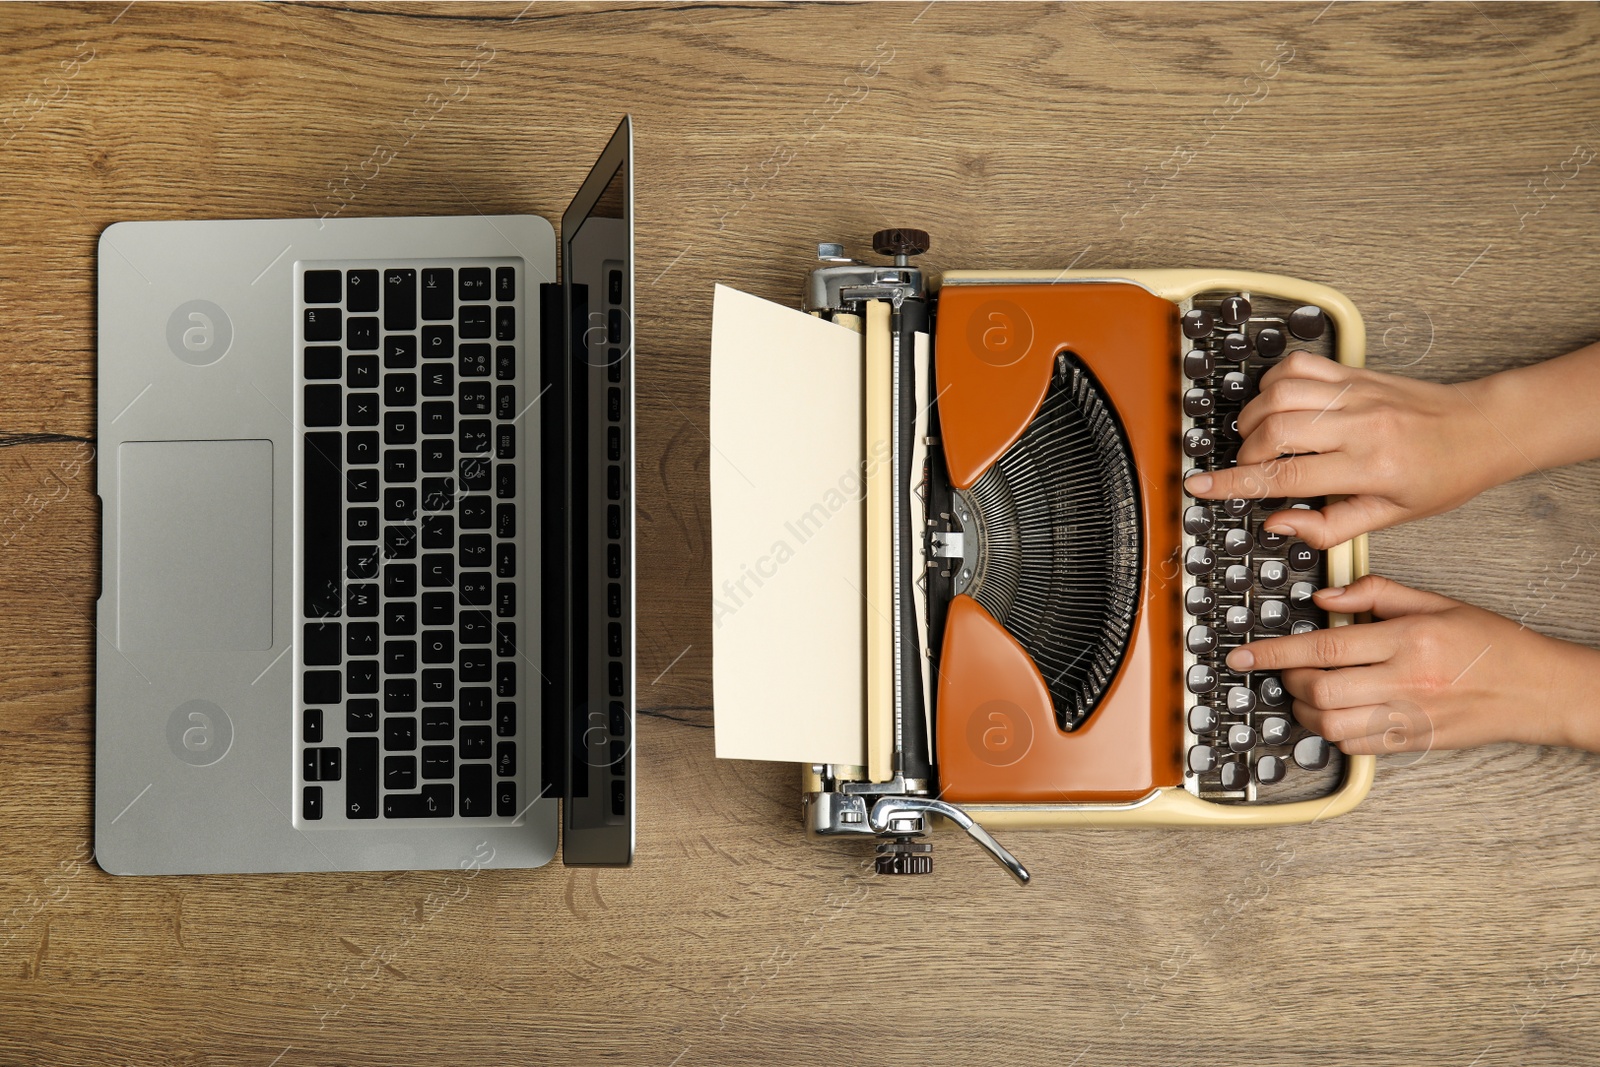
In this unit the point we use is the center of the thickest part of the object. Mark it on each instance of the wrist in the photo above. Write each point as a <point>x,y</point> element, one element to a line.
<point>1498,418</point>
<point>1571,714</point>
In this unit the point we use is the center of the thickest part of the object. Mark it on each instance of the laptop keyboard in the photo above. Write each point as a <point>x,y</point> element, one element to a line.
<point>412,681</point>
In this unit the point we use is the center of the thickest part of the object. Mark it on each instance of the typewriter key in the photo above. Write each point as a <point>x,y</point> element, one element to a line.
<point>1274,572</point>
<point>1307,323</point>
<point>1301,556</point>
<point>1200,639</point>
<point>1241,737</point>
<point>1197,363</point>
<point>1241,701</point>
<point>1201,758</point>
<point>1197,442</point>
<point>1270,540</point>
<point>1199,600</point>
<point>1197,323</point>
<point>1270,769</point>
<point>1235,775</point>
<point>1234,310</point>
<point>1269,342</point>
<point>1275,730</point>
<point>1274,614</point>
<point>1300,593</point>
<point>1272,503</point>
<point>1201,679</point>
<point>1235,346</point>
<point>1235,506</point>
<point>1236,579</point>
<point>1234,385</point>
<point>1202,719</point>
<point>1311,753</point>
<point>1273,694</point>
<point>1238,619</point>
<point>1196,520</point>
<point>1199,560</point>
<point>1302,626</point>
<point>1197,403</point>
<point>1236,542</point>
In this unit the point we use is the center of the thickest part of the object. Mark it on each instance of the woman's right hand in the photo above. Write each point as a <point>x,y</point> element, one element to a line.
<point>1394,448</point>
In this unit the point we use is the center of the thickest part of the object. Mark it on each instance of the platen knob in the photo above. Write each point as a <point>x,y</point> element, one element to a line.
<point>900,242</point>
<point>904,856</point>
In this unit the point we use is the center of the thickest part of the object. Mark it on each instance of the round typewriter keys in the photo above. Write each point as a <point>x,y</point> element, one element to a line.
<point>1302,626</point>
<point>1269,342</point>
<point>1235,507</point>
<point>1199,560</point>
<point>1236,542</point>
<point>1235,346</point>
<point>1202,719</point>
<point>1236,579</point>
<point>1201,758</point>
<point>1197,363</point>
<point>1274,614</point>
<point>1196,520</point>
<point>1241,701</point>
<point>1235,775</point>
<point>1241,737</point>
<point>1199,600</point>
<point>1300,593</point>
<point>1234,310</point>
<point>1272,692</point>
<point>1200,639</point>
<point>1307,323</point>
<point>1197,323</point>
<point>1274,572</point>
<point>1238,619</point>
<point>1234,385</point>
<point>1198,442</point>
<point>1270,769</point>
<point>1197,403</point>
<point>1200,679</point>
<point>1311,753</point>
<point>1275,730</point>
<point>1270,540</point>
<point>1301,556</point>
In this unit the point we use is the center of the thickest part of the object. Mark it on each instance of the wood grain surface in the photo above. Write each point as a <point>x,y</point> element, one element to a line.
<point>1435,163</point>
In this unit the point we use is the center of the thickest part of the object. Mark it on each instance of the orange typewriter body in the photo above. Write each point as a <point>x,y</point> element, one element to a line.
<point>997,735</point>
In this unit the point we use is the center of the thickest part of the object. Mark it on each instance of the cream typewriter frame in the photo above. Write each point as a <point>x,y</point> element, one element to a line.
<point>1174,805</point>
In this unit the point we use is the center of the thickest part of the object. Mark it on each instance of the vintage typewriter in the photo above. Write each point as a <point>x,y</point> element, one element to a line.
<point>1048,612</point>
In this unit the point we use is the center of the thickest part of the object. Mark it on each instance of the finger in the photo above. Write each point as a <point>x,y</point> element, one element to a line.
<point>1337,725</point>
<point>1287,432</point>
<point>1315,475</point>
<point>1336,523</point>
<point>1291,394</point>
<point>1340,687</point>
<point>1383,598</point>
<point>1342,646</point>
<point>1302,364</point>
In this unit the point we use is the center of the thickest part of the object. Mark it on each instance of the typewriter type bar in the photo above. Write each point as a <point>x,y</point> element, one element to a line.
<point>1069,606</point>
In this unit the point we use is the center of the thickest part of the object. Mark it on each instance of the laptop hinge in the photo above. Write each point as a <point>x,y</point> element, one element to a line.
<point>555,578</point>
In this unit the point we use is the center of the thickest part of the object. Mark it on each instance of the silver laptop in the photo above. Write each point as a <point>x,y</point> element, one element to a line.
<point>367,597</point>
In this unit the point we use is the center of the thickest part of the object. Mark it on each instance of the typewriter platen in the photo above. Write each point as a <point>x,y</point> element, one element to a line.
<point>1048,612</point>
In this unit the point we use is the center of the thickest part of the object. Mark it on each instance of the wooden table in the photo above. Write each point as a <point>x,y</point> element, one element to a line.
<point>1436,164</point>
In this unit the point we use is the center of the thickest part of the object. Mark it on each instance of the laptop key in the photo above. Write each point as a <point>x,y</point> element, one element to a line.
<point>400,299</point>
<point>361,639</point>
<point>438,685</point>
<point>400,465</point>
<point>474,283</point>
<point>400,542</point>
<point>399,772</point>
<point>361,334</point>
<point>361,409</point>
<point>399,733</point>
<point>438,379</point>
<point>475,664</point>
<point>361,290</point>
<point>323,362</point>
<point>505,480</point>
<point>323,324</point>
<point>505,401</point>
<point>505,324</point>
<point>323,405</point>
<point>438,761</point>
<point>438,609</point>
<point>505,520</point>
<point>320,687</point>
<point>361,676</point>
<point>438,569</point>
<point>361,486</point>
<point>400,428</point>
<point>505,679</point>
<point>476,742</point>
<point>505,284</point>
<point>311,803</point>
<point>475,588</point>
<point>438,455</point>
<point>327,764</point>
<point>473,398</point>
<point>505,719</point>
<point>361,716</point>
<point>400,389</point>
<point>505,362</point>
<point>505,759</point>
<point>434,802</point>
<point>475,512</point>
<point>474,550</point>
<point>505,799</point>
<point>438,293</point>
<point>320,647</point>
<point>400,352</point>
<point>477,796</point>
<point>474,703</point>
<point>361,784</point>
<point>474,360</point>
<point>475,475</point>
<point>438,724</point>
<point>323,287</point>
<point>361,446</point>
<point>439,494</point>
<point>399,696</point>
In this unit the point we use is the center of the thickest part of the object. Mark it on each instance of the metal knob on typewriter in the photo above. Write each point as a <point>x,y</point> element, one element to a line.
<point>904,856</point>
<point>900,242</point>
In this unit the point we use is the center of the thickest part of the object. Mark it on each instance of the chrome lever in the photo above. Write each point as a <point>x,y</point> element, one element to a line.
<point>889,808</point>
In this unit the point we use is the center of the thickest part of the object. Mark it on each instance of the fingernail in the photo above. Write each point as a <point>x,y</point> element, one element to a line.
<point>1280,528</point>
<point>1241,659</point>
<point>1331,592</point>
<point>1198,484</point>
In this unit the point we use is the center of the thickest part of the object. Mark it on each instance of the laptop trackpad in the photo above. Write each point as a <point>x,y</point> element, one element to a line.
<point>194,563</point>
